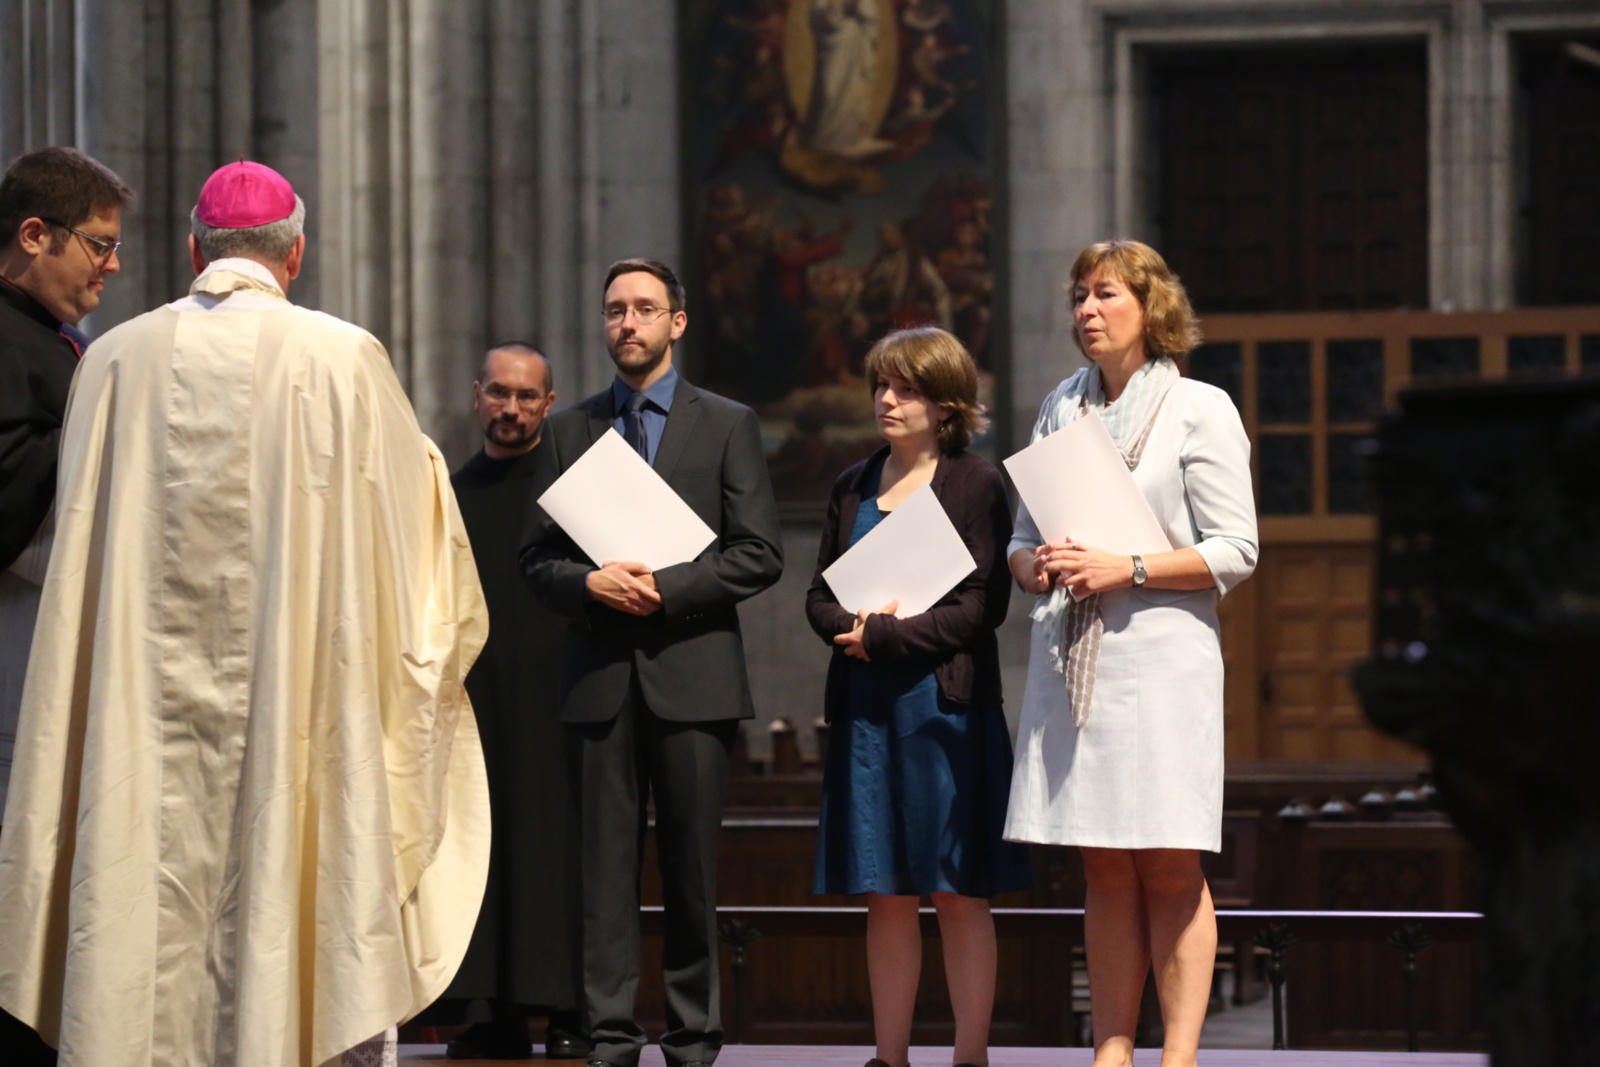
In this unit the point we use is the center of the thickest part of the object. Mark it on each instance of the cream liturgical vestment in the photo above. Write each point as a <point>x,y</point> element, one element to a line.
<point>248,820</point>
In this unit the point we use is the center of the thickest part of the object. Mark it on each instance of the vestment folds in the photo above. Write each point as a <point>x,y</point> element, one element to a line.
<point>248,824</point>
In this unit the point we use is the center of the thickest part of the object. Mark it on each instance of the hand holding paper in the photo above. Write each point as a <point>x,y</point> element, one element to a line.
<point>616,508</point>
<point>1077,485</point>
<point>912,558</point>
<point>854,642</point>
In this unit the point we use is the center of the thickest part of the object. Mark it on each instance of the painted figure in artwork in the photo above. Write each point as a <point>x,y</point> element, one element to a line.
<point>843,118</point>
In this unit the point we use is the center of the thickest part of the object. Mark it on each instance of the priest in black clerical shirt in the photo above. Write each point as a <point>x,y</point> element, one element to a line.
<point>524,957</point>
<point>60,225</point>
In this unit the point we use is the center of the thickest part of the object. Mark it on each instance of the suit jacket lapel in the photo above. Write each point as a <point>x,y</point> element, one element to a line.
<point>680,427</point>
<point>601,416</point>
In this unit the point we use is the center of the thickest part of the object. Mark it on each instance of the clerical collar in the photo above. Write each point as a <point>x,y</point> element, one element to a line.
<point>659,393</point>
<point>25,304</point>
<point>239,265</point>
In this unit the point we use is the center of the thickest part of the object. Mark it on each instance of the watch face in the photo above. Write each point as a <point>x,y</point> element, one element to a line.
<point>1139,574</point>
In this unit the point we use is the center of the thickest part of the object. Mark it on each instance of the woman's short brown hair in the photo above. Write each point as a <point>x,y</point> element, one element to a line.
<point>941,369</point>
<point>1170,326</point>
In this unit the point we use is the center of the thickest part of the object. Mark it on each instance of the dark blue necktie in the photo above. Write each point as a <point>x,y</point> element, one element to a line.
<point>633,425</point>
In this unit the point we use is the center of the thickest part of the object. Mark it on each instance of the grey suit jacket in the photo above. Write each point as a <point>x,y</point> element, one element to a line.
<point>688,657</point>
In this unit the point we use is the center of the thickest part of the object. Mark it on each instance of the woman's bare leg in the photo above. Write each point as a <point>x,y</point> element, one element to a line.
<point>1183,945</point>
<point>894,964</point>
<point>1116,939</point>
<point>967,929</point>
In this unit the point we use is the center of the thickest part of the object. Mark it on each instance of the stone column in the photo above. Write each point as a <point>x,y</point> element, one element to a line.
<point>468,199</point>
<point>38,88</point>
<point>162,93</point>
<point>112,102</point>
<point>1060,185</point>
<point>267,56</point>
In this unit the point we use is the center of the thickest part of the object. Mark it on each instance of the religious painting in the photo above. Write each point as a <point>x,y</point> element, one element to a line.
<point>841,169</point>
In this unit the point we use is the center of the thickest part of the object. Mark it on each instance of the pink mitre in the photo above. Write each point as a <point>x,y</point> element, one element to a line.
<point>244,194</point>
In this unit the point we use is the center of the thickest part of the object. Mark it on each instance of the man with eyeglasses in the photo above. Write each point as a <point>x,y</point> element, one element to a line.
<point>60,220</point>
<point>654,682</point>
<point>524,956</point>
<point>249,821</point>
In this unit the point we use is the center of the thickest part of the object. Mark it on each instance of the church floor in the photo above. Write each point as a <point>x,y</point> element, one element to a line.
<point>844,1056</point>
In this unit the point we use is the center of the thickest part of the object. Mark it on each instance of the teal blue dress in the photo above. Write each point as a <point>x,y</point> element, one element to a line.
<point>914,787</point>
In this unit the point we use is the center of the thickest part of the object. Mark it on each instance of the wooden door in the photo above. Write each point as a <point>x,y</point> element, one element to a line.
<point>1314,606</point>
<point>1310,389</point>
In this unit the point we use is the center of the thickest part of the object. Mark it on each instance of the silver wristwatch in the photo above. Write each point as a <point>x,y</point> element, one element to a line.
<point>1139,574</point>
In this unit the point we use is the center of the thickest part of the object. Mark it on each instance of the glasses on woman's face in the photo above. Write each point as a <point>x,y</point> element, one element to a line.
<point>525,398</point>
<point>101,248</point>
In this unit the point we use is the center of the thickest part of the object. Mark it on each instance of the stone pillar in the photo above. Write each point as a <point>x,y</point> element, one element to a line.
<point>112,114</point>
<point>268,59</point>
<point>162,93</point>
<point>38,87</point>
<point>467,196</point>
<point>1058,136</point>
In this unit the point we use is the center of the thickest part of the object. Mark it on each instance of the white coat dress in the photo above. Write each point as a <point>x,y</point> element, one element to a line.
<point>1145,771</point>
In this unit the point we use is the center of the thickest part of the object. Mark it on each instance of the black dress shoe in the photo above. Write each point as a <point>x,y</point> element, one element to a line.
<point>507,1040</point>
<point>565,1045</point>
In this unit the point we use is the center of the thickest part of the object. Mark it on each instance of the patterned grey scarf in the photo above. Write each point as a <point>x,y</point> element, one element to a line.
<point>1077,624</point>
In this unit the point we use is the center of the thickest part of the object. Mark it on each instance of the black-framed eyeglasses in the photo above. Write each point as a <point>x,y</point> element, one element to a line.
<point>104,247</point>
<point>525,398</point>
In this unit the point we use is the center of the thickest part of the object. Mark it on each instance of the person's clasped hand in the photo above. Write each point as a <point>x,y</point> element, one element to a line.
<point>1081,569</point>
<point>853,642</point>
<point>625,586</point>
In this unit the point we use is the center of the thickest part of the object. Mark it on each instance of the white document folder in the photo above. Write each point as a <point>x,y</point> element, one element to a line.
<point>1077,485</point>
<point>616,508</point>
<point>914,556</point>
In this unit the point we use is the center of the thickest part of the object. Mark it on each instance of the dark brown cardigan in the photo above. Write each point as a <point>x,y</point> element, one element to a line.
<point>956,635</point>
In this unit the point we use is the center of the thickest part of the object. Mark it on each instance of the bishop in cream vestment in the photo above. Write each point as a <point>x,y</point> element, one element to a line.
<point>248,821</point>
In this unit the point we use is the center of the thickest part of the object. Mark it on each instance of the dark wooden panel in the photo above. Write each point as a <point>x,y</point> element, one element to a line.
<point>811,986</point>
<point>1352,995</point>
<point>802,990</point>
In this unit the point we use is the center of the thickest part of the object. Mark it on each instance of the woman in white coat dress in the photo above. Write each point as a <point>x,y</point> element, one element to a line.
<point>1119,750</point>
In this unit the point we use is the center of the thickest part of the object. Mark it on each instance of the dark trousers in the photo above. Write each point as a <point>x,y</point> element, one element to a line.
<point>684,766</point>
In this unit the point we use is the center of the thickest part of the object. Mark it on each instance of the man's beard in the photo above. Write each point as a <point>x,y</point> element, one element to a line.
<point>510,434</point>
<point>641,359</point>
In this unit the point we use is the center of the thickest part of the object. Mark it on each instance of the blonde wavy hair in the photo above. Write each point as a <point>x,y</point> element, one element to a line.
<point>941,369</point>
<point>1171,328</point>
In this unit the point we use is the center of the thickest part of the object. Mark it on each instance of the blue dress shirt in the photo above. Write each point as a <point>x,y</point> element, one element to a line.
<point>658,401</point>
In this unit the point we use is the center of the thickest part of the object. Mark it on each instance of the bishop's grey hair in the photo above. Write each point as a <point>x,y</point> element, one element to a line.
<point>269,244</point>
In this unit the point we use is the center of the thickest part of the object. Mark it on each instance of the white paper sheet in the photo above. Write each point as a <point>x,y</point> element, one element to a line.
<point>1076,485</point>
<point>616,508</point>
<point>914,556</point>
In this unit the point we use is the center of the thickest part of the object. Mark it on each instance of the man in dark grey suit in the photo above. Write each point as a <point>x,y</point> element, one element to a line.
<point>653,682</point>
